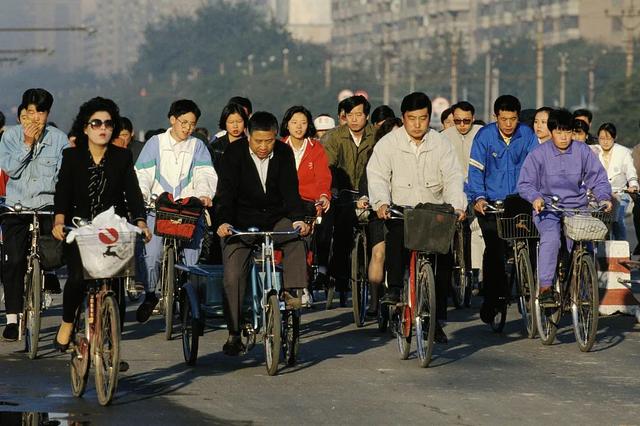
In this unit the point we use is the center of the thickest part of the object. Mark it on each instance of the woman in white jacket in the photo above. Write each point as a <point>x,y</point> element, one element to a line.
<point>618,163</point>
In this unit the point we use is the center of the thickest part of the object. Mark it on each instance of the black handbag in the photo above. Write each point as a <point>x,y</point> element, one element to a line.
<point>51,256</point>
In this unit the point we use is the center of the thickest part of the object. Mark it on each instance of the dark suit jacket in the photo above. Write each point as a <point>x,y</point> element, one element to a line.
<point>122,189</point>
<point>240,199</point>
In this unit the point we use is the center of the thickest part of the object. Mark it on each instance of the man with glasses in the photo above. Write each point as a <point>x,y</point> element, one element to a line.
<point>180,164</point>
<point>30,154</point>
<point>497,154</point>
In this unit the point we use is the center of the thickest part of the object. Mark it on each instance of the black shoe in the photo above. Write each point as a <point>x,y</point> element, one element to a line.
<point>439,335</point>
<point>124,366</point>
<point>391,297</point>
<point>10,333</point>
<point>233,346</point>
<point>487,312</point>
<point>343,299</point>
<point>52,284</point>
<point>547,297</point>
<point>146,308</point>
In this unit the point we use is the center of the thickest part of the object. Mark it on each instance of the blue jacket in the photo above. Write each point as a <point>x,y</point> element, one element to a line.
<point>494,166</point>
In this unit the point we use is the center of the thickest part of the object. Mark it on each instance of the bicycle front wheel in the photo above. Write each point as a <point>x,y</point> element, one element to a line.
<point>32,310</point>
<point>190,331</point>
<point>359,285</point>
<point>106,348</point>
<point>168,289</point>
<point>525,296</point>
<point>547,318</point>
<point>80,357</point>
<point>459,277</point>
<point>425,313</point>
<point>584,304</point>
<point>291,342</point>
<point>272,335</point>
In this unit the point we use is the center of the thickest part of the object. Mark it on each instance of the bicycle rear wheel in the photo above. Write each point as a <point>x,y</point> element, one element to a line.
<point>425,313</point>
<point>403,330</point>
<point>359,285</point>
<point>525,296</point>
<point>291,342</point>
<point>272,335</point>
<point>32,310</point>
<point>168,289</point>
<point>585,303</point>
<point>190,331</point>
<point>81,356</point>
<point>459,278</point>
<point>106,348</point>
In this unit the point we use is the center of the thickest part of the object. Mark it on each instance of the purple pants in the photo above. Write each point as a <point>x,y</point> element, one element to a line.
<point>549,225</point>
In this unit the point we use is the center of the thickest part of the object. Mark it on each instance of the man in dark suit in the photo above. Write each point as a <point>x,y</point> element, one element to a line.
<point>258,187</point>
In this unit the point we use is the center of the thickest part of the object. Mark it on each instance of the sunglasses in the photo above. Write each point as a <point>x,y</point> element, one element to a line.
<point>460,121</point>
<point>97,123</point>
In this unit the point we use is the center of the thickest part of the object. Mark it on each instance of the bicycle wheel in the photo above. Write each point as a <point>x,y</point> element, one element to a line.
<point>584,304</point>
<point>459,278</point>
<point>81,356</point>
<point>330,293</point>
<point>106,347</point>
<point>425,313</point>
<point>272,335</point>
<point>32,310</point>
<point>547,318</point>
<point>190,331</point>
<point>359,285</point>
<point>525,293</point>
<point>383,317</point>
<point>291,342</point>
<point>402,320</point>
<point>168,288</point>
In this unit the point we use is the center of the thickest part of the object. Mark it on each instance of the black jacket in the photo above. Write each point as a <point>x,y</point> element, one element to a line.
<point>240,199</point>
<point>122,189</point>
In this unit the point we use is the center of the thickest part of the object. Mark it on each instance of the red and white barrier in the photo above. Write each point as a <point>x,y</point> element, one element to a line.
<point>612,259</point>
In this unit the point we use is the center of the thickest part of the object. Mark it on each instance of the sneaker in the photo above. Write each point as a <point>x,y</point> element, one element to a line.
<point>306,298</point>
<point>291,302</point>
<point>146,308</point>
<point>391,297</point>
<point>439,335</point>
<point>233,346</point>
<point>10,333</point>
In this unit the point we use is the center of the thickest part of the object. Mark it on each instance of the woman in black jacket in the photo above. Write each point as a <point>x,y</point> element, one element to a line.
<point>94,176</point>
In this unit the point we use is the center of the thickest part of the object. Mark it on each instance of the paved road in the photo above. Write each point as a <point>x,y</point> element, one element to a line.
<point>346,376</point>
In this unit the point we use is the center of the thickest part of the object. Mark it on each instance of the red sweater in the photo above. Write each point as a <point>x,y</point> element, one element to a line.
<point>3,183</point>
<point>314,176</point>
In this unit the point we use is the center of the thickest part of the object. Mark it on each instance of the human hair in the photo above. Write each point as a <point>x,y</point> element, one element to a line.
<point>151,133</point>
<point>445,114</point>
<point>559,119</point>
<point>382,113</point>
<point>21,108</point>
<point>464,106</point>
<point>126,124</point>
<point>479,122</point>
<point>506,103</point>
<point>263,121</point>
<point>38,97</point>
<point>387,126</point>
<point>89,108</point>
<point>229,109</point>
<point>609,128</point>
<point>341,106</point>
<point>353,101</point>
<point>583,112</point>
<point>580,126</point>
<point>183,106</point>
<point>3,120</point>
<point>284,126</point>
<point>543,109</point>
<point>415,101</point>
<point>243,102</point>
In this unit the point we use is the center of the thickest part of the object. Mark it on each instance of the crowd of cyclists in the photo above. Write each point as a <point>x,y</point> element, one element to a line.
<point>256,172</point>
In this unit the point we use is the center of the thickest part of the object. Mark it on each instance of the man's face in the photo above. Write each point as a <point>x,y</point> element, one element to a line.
<point>579,135</point>
<point>507,122</point>
<point>416,123</point>
<point>540,125</point>
<point>261,142</point>
<point>357,119</point>
<point>463,120</point>
<point>35,116</point>
<point>561,138</point>
<point>183,126</point>
<point>125,136</point>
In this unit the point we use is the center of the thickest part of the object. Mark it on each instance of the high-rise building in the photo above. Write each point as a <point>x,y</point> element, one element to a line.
<point>306,20</point>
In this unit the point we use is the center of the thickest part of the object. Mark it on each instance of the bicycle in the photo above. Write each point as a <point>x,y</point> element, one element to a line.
<point>95,338</point>
<point>417,306</point>
<point>461,276</point>
<point>576,287</point>
<point>34,302</point>
<point>280,327</point>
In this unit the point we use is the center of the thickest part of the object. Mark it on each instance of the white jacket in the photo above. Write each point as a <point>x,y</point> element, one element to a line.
<point>396,174</point>
<point>621,171</point>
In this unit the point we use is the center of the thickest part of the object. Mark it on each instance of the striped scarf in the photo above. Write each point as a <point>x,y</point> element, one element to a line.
<point>97,185</point>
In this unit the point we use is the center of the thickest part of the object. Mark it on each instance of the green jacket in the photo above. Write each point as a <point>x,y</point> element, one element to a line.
<point>348,161</point>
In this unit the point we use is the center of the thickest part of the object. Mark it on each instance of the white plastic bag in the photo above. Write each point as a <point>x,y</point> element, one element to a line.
<point>107,246</point>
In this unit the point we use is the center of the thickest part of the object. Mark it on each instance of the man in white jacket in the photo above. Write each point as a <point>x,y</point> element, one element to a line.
<point>414,164</point>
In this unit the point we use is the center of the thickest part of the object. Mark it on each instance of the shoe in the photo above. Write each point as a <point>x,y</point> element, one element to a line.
<point>146,308</point>
<point>547,297</point>
<point>487,312</point>
<point>52,284</point>
<point>124,366</point>
<point>291,302</point>
<point>59,346</point>
<point>306,298</point>
<point>10,333</point>
<point>391,297</point>
<point>343,299</point>
<point>439,335</point>
<point>233,346</point>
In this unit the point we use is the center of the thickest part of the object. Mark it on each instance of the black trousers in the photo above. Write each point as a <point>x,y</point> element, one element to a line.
<point>397,259</point>
<point>494,278</point>
<point>16,239</point>
<point>344,222</point>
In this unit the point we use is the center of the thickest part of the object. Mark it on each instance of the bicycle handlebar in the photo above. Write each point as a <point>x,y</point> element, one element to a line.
<point>19,209</point>
<point>255,233</point>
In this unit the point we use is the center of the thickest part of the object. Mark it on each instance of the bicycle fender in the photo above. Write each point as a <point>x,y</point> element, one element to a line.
<point>190,291</point>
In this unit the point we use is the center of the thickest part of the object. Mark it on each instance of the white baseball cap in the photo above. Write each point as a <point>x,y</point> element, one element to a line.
<point>324,122</point>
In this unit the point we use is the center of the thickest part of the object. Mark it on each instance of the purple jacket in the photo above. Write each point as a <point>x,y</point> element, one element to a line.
<point>547,172</point>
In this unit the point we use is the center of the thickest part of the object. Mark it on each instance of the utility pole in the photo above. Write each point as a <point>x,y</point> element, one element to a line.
<point>387,50</point>
<point>285,62</point>
<point>487,87</point>
<point>630,18</point>
<point>563,76</point>
<point>250,64</point>
<point>591,84</point>
<point>539,60</point>
<point>327,73</point>
<point>454,69</point>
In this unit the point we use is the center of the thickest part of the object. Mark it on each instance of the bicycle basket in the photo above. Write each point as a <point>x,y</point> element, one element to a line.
<point>517,227</point>
<point>429,228</point>
<point>177,219</point>
<point>107,254</point>
<point>582,227</point>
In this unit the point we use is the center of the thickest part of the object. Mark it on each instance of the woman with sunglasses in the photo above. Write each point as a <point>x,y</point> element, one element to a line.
<point>94,176</point>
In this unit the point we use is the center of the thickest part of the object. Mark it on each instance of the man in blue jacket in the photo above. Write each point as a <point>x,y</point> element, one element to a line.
<point>497,154</point>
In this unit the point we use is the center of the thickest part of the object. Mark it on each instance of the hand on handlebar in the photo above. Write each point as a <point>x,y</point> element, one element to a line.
<point>303,228</point>
<point>383,212</point>
<point>462,215</point>
<point>325,203</point>
<point>480,206</point>
<point>206,201</point>
<point>607,205</point>
<point>224,230</point>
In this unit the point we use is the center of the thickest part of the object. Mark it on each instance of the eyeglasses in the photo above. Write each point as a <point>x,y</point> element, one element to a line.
<point>186,124</point>
<point>96,123</point>
<point>461,120</point>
